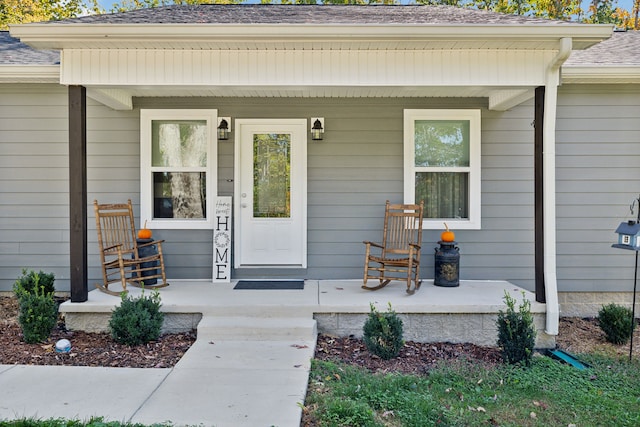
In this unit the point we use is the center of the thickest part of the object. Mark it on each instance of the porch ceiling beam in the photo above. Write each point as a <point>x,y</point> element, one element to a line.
<point>116,99</point>
<point>503,100</point>
<point>149,68</point>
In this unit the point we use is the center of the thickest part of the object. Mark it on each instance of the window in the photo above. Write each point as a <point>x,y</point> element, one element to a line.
<point>442,166</point>
<point>177,168</point>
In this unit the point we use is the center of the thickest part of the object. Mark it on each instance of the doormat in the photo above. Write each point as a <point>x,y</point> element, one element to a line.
<point>270,284</point>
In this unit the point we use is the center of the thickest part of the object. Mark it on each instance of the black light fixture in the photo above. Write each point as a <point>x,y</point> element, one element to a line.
<point>317,129</point>
<point>223,128</point>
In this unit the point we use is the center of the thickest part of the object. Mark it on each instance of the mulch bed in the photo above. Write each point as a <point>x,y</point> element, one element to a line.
<point>88,348</point>
<point>414,358</point>
<point>99,349</point>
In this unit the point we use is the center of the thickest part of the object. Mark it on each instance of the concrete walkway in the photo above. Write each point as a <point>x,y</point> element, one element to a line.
<point>248,367</point>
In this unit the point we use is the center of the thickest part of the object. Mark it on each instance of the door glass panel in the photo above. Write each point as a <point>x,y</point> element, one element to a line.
<point>272,175</point>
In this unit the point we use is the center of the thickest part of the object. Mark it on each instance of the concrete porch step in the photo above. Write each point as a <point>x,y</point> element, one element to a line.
<point>258,310</point>
<point>237,328</point>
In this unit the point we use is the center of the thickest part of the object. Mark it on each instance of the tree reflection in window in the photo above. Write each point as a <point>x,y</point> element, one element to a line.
<point>179,195</point>
<point>442,142</point>
<point>444,145</point>
<point>272,175</point>
<point>179,162</point>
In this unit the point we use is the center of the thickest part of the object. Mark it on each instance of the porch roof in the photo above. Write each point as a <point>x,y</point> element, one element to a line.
<point>308,51</point>
<point>215,26</point>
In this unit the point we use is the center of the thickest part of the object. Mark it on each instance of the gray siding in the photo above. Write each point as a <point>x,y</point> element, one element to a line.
<point>34,190</point>
<point>359,165</point>
<point>350,175</point>
<point>113,168</point>
<point>34,176</point>
<point>598,176</point>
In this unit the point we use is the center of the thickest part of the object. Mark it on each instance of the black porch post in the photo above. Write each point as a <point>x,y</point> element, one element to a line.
<point>78,192</point>
<point>539,194</point>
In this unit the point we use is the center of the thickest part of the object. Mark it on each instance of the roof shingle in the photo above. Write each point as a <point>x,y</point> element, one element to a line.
<point>309,14</point>
<point>13,52</point>
<point>623,48</point>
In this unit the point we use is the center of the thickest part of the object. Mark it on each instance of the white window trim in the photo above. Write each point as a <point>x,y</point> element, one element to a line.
<point>146,184</point>
<point>474,117</point>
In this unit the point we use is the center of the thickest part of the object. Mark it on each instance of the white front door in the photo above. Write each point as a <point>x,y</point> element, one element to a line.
<point>271,193</point>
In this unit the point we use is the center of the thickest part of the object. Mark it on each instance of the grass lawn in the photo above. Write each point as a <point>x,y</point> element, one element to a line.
<point>94,422</point>
<point>460,393</point>
<point>548,393</point>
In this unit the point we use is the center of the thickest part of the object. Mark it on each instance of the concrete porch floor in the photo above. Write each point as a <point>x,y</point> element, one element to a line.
<point>460,314</point>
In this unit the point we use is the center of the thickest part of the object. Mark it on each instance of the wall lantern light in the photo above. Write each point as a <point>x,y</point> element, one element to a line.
<point>224,127</point>
<point>317,129</point>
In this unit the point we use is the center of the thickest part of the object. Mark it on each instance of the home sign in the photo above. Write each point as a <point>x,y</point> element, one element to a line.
<point>222,241</point>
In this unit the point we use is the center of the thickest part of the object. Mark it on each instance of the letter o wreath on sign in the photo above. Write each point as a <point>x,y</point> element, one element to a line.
<point>222,239</point>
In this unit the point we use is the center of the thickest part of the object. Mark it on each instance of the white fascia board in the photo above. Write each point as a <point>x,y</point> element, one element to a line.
<point>29,74</point>
<point>60,36</point>
<point>601,74</point>
<point>223,68</point>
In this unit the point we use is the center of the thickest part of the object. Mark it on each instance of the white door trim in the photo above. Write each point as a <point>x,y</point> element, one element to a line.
<point>298,183</point>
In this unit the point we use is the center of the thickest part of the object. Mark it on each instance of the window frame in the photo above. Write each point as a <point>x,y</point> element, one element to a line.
<point>147,116</point>
<point>410,169</point>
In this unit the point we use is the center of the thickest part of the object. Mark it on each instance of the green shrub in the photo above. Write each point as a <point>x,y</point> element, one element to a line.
<point>137,320</point>
<point>615,322</point>
<point>38,311</point>
<point>31,281</point>
<point>516,331</point>
<point>383,333</point>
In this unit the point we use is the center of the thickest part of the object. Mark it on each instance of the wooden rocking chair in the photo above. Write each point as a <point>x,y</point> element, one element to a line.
<point>399,253</point>
<point>119,251</point>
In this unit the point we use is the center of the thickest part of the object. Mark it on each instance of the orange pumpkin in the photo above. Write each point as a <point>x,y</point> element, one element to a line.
<point>144,232</point>
<point>447,235</point>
